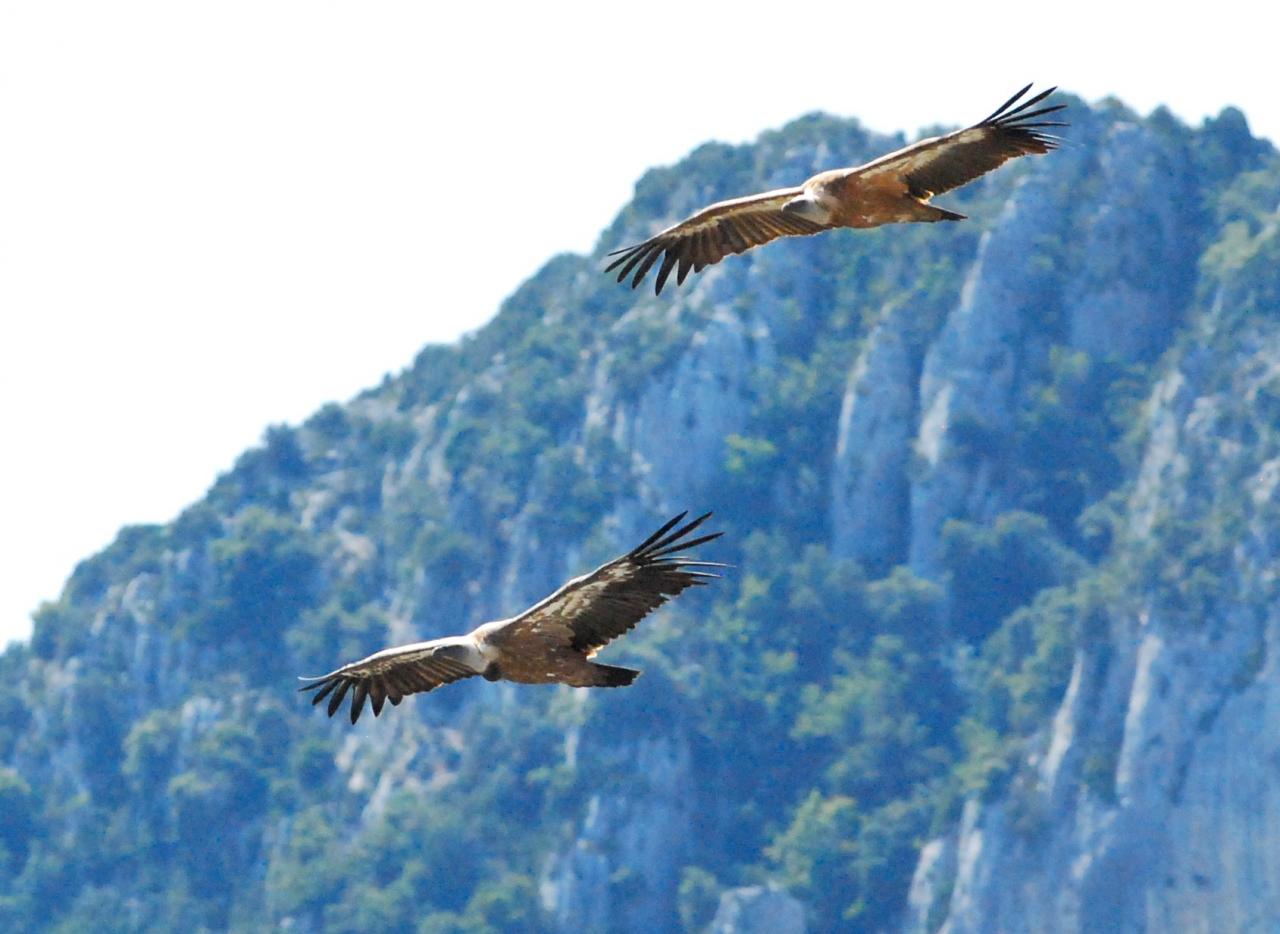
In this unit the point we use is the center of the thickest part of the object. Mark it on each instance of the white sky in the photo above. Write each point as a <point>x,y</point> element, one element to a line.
<point>219,216</point>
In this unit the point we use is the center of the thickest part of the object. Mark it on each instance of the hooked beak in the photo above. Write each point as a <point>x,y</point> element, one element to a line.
<point>806,206</point>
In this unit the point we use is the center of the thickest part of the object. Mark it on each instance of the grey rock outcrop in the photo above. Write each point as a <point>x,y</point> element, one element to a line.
<point>619,871</point>
<point>970,377</point>
<point>758,909</point>
<point>1150,804</point>
<point>869,486</point>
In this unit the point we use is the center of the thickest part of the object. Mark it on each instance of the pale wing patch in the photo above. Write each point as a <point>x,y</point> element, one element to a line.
<point>760,202</point>
<point>388,659</point>
<point>583,598</point>
<point>932,152</point>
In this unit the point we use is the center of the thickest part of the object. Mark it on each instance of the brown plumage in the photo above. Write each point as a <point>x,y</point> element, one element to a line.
<point>551,642</point>
<point>892,189</point>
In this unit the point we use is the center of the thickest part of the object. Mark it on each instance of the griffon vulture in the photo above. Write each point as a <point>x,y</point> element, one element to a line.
<point>552,642</point>
<point>892,189</point>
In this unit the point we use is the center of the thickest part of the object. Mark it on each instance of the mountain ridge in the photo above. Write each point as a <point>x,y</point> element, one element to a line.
<point>883,421</point>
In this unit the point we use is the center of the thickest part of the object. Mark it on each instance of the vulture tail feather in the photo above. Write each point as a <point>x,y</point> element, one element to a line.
<point>611,676</point>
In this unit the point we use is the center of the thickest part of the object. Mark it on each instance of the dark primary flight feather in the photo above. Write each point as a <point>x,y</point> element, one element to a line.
<point>389,675</point>
<point>710,235</point>
<point>602,605</point>
<point>551,642</point>
<point>941,164</point>
<point>895,188</point>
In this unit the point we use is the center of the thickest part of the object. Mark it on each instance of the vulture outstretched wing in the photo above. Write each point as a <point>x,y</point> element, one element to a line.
<point>394,673</point>
<point>595,608</point>
<point>942,163</point>
<point>707,237</point>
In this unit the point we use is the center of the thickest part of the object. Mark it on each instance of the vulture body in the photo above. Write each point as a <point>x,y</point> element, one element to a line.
<point>552,642</point>
<point>892,189</point>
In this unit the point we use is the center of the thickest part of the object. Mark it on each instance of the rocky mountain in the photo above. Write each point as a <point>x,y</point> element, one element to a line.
<point>995,652</point>
<point>1147,801</point>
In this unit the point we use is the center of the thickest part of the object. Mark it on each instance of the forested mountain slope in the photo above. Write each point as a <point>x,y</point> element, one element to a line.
<point>995,652</point>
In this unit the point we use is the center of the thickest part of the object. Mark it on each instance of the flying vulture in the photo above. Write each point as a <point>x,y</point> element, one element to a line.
<point>892,189</point>
<point>552,642</point>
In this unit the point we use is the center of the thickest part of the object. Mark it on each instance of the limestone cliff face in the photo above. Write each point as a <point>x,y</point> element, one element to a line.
<point>624,862</point>
<point>970,377</point>
<point>1148,802</point>
<point>870,489</point>
<point>1118,292</point>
